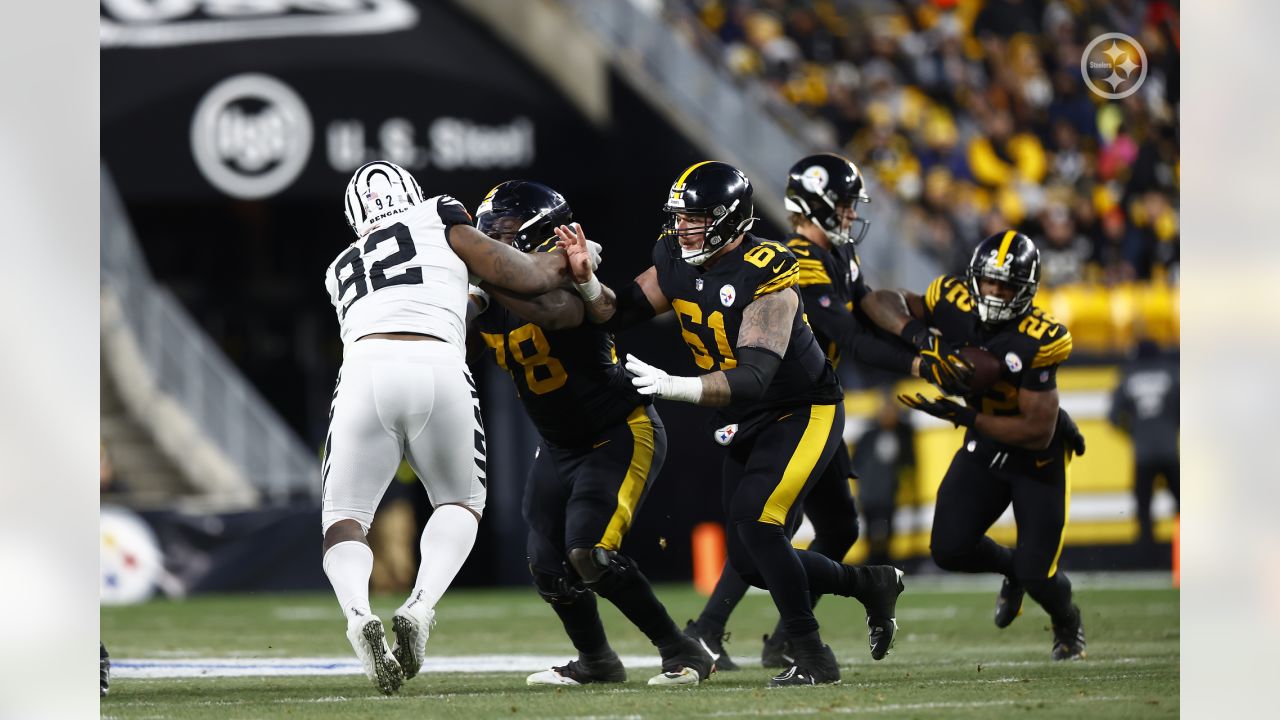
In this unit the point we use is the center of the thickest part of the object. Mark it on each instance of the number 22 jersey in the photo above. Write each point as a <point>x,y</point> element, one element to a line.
<point>708,302</point>
<point>1030,348</point>
<point>404,277</point>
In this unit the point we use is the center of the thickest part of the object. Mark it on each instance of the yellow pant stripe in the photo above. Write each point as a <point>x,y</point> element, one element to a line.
<point>633,484</point>
<point>1066,510</point>
<point>800,466</point>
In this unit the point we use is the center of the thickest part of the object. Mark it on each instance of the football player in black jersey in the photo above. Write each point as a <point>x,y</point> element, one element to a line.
<point>823,193</point>
<point>1018,444</point>
<point>781,407</point>
<point>602,446</point>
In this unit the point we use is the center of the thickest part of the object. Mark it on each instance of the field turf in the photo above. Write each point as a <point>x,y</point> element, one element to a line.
<point>950,661</point>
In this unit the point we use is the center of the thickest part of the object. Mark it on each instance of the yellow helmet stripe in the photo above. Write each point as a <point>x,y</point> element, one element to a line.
<point>691,168</point>
<point>1005,242</point>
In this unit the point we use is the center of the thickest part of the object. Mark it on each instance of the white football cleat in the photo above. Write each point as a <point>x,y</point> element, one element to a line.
<point>412,626</point>
<point>367,639</point>
<point>575,673</point>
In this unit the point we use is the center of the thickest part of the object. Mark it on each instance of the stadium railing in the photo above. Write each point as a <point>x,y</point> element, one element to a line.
<point>186,367</point>
<point>739,120</point>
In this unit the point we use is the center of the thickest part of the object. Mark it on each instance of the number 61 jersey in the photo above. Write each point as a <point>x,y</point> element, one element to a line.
<point>708,303</point>
<point>404,277</point>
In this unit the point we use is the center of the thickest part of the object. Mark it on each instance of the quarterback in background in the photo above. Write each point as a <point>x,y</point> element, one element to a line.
<point>1018,444</point>
<point>400,292</point>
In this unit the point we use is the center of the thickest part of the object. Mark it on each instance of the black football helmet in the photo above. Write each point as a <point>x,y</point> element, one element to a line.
<point>1009,257</point>
<point>817,185</point>
<point>716,190</point>
<point>522,214</point>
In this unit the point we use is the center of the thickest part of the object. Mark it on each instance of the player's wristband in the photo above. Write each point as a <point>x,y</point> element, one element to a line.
<point>589,290</point>
<point>915,332</point>
<point>684,389</point>
<point>480,297</point>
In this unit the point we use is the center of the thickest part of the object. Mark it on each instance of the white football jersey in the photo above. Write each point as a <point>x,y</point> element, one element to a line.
<point>404,277</point>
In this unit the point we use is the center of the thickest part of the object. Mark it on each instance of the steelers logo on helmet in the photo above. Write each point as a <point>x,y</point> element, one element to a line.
<point>708,206</point>
<point>821,188</point>
<point>815,179</point>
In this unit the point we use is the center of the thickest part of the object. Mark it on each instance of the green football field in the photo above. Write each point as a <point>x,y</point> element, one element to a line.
<point>950,661</point>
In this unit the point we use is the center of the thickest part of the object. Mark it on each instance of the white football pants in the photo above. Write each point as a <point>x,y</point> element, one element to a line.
<point>397,398</point>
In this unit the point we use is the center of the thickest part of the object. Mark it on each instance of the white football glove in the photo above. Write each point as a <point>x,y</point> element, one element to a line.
<point>479,297</point>
<point>594,249</point>
<point>650,380</point>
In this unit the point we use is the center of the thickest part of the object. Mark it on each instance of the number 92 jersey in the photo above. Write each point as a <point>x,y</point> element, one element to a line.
<point>569,380</point>
<point>1030,348</point>
<point>404,277</point>
<point>708,302</point>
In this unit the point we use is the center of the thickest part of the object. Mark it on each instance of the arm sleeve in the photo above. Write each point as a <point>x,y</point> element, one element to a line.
<point>755,370</point>
<point>852,334</point>
<point>631,307</point>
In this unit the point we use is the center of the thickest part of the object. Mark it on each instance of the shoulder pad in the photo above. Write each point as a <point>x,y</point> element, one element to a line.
<point>1055,339</point>
<point>938,289</point>
<point>771,266</point>
<point>452,212</point>
<point>813,271</point>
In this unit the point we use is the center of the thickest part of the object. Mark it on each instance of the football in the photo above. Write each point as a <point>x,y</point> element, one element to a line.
<point>986,368</point>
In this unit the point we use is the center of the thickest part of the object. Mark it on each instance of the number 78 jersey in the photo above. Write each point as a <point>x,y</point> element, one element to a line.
<point>404,277</point>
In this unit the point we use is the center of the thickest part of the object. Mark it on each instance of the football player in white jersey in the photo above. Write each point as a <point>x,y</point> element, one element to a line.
<point>400,291</point>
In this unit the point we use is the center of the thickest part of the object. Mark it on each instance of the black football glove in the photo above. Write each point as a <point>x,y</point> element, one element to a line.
<point>942,408</point>
<point>940,363</point>
<point>1071,435</point>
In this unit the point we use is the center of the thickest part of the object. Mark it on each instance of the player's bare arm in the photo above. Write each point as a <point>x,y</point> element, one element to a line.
<point>766,326</point>
<point>504,266</point>
<point>602,303</point>
<point>893,309</point>
<point>558,309</point>
<point>1032,428</point>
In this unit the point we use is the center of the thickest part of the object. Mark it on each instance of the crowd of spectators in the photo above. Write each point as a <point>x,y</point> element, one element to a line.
<point>976,116</point>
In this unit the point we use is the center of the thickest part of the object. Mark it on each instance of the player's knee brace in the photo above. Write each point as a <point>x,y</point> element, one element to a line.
<point>556,589</point>
<point>602,571</point>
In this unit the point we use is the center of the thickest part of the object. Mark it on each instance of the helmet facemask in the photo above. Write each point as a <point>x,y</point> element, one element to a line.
<point>819,187</point>
<point>994,310</point>
<point>716,230</point>
<point>522,214</point>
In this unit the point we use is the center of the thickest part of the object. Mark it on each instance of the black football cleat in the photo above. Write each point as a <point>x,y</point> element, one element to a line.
<point>1009,602</point>
<point>1068,638</point>
<point>713,642</point>
<point>104,670</point>
<point>581,672</point>
<point>818,668</point>
<point>690,665</point>
<point>777,652</point>
<point>881,602</point>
